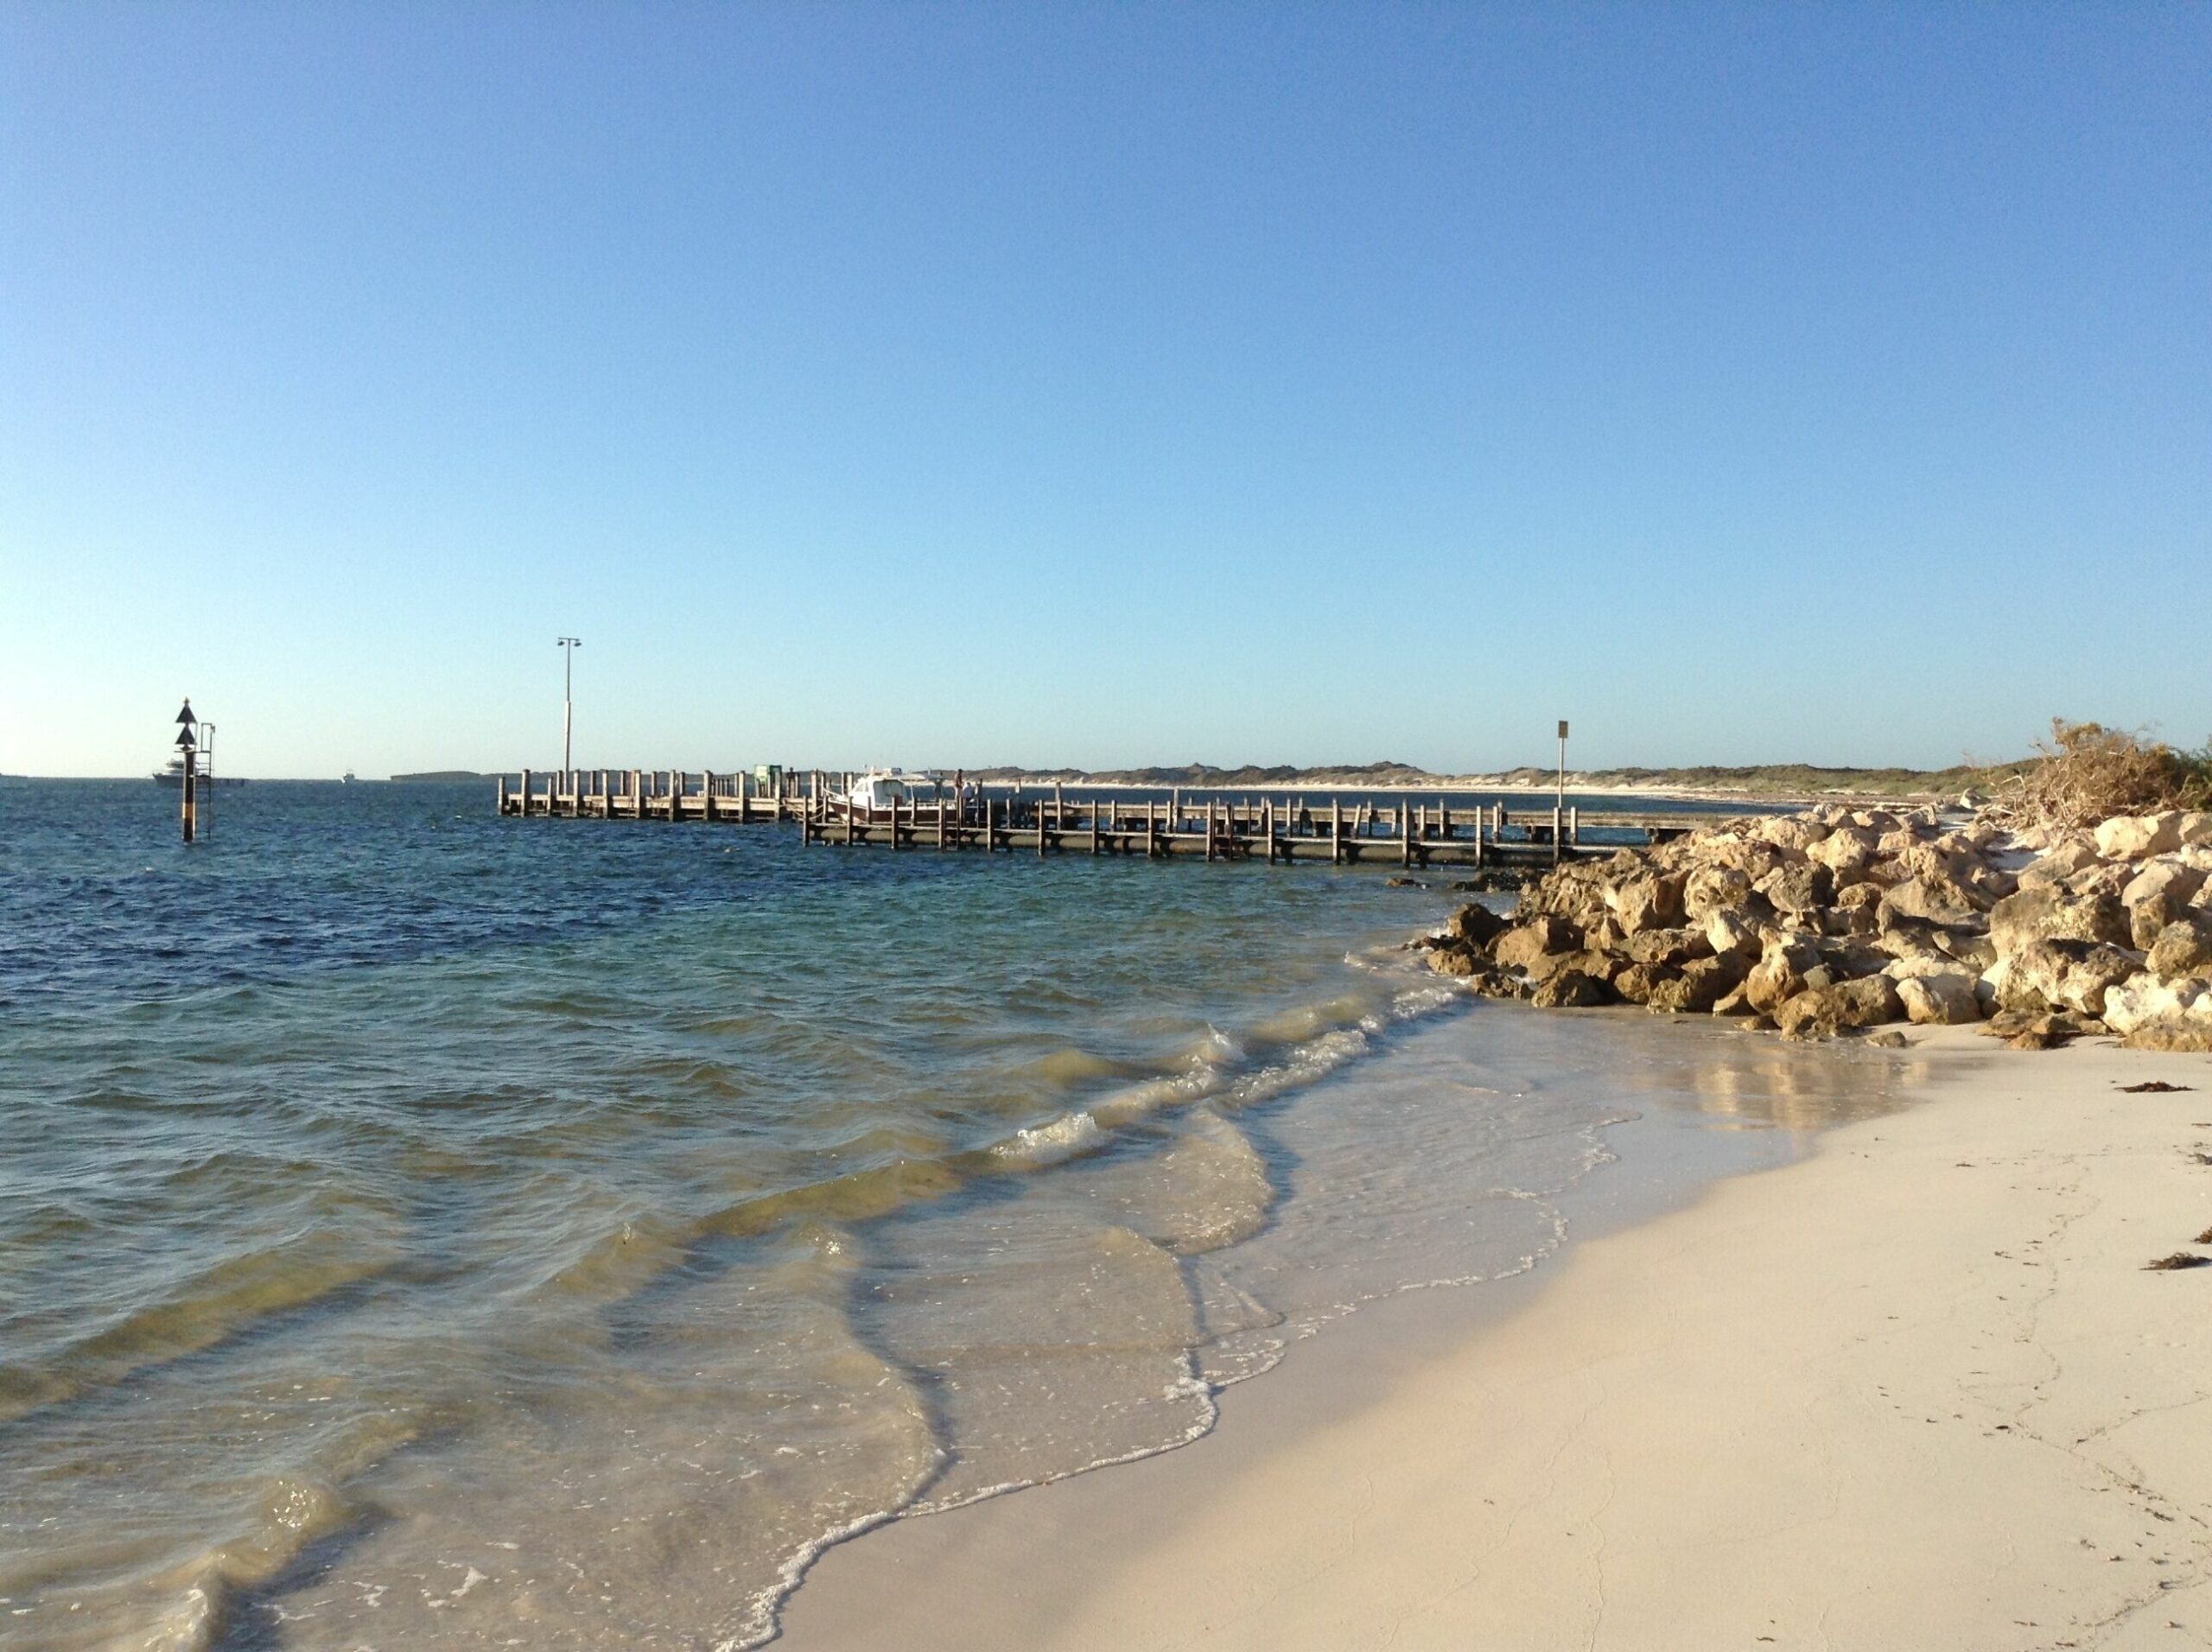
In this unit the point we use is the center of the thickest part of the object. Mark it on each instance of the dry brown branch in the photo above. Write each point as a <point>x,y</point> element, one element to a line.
<point>2087,772</point>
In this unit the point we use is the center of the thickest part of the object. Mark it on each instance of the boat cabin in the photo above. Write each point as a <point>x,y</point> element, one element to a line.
<point>873,793</point>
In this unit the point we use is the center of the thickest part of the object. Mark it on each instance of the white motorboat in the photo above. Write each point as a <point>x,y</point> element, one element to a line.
<point>872,794</point>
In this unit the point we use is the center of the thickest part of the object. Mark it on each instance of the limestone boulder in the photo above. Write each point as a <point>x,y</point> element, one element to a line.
<point>2048,913</point>
<point>1944,860</point>
<point>1534,939</point>
<point>1668,946</point>
<point>1646,901</point>
<point>1701,984</point>
<point>2195,830</point>
<point>1972,949</point>
<point>1799,889</point>
<point>1821,1012</point>
<point>2181,874</point>
<point>1792,833</point>
<point>1857,910</point>
<point>2147,918</point>
<point>2064,974</point>
<point>1475,925</point>
<point>1710,889</point>
<point>1985,882</point>
<point>1779,975</point>
<point>1603,935</point>
<point>2182,947</point>
<point>1845,851</point>
<point>2142,999</point>
<point>1571,989</point>
<point>2133,837</point>
<point>1452,960</point>
<point>1598,966</point>
<point>1576,891</point>
<point>2105,878</point>
<point>2175,878</point>
<point>1924,964</point>
<point>1939,999</point>
<point>1927,900</point>
<point>1729,933</point>
<point>1638,981</point>
<point>2191,1037</point>
<point>1753,857</point>
<point>2041,1029</point>
<point>2068,854</point>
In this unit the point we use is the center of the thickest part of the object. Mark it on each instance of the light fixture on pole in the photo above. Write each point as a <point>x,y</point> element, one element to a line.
<point>567,645</point>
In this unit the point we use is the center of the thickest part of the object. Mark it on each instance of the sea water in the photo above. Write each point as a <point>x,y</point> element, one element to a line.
<point>418,1228</point>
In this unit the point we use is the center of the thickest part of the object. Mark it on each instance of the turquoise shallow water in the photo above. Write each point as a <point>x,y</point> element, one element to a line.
<point>421,1228</point>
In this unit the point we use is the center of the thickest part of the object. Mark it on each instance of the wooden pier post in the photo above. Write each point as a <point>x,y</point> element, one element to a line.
<point>526,794</point>
<point>503,794</point>
<point>1336,831</point>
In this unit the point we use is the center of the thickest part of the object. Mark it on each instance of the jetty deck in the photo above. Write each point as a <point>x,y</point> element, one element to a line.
<point>1342,829</point>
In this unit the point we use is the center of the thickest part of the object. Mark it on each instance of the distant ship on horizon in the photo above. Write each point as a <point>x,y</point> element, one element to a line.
<point>173,776</point>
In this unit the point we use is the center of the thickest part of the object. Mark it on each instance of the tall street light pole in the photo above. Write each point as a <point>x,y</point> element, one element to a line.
<point>1558,805</point>
<point>567,645</point>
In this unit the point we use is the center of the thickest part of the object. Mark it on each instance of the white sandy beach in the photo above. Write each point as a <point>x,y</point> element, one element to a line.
<point>1916,1392</point>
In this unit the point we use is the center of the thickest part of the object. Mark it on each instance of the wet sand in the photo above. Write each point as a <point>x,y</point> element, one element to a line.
<point>1918,1390</point>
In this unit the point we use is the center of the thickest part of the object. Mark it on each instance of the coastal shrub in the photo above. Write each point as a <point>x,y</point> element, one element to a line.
<point>2087,772</point>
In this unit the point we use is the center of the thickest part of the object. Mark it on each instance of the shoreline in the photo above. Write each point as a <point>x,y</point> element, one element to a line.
<point>1955,1410</point>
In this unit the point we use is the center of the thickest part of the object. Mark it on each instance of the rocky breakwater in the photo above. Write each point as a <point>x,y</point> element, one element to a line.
<point>1836,919</point>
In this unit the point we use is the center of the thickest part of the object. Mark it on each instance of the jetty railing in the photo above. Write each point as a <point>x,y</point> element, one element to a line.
<point>1344,830</point>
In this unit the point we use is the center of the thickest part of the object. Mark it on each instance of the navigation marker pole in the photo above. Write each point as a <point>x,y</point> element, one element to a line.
<point>190,747</point>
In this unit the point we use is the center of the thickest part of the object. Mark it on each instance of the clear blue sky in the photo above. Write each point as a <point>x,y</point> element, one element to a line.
<point>1100,384</point>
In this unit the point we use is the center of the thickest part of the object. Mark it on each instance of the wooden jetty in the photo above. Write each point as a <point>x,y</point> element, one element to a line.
<point>1340,830</point>
<point>652,794</point>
